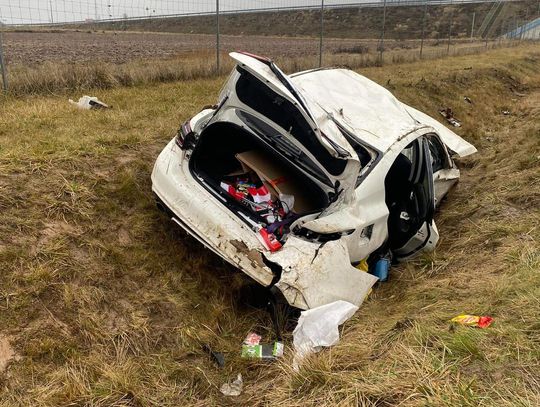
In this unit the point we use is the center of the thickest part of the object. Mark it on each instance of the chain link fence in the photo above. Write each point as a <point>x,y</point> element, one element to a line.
<point>52,45</point>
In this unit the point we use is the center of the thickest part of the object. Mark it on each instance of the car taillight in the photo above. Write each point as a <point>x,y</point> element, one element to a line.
<point>184,137</point>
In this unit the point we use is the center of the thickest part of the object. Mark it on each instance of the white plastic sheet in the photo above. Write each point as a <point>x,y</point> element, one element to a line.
<point>318,328</point>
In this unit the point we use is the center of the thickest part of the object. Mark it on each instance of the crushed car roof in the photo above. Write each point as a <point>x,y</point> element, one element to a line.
<point>365,108</point>
<point>362,106</point>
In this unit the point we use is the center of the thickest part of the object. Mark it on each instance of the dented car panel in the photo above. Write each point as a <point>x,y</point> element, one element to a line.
<point>455,143</point>
<point>378,167</point>
<point>195,210</point>
<point>318,274</point>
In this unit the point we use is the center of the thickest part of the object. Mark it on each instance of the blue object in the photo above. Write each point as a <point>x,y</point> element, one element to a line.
<point>381,269</point>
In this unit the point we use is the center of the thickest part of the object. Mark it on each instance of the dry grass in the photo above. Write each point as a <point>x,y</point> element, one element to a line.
<point>107,303</point>
<point>71,73</point>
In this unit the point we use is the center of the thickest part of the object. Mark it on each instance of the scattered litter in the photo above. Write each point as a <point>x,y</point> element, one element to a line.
<point>473,320</point>
<point>89,102</point>
<point>467,99</point>
<point>252,339</point>
<point>506,112</point>
<point>233,389</point>
<point>217,357</point>
<point>252,348</point>
<point>448,114</point>
<point>363,265</point>
<point>264,351</point>
<point>381,269</point>
<point>318,328</point>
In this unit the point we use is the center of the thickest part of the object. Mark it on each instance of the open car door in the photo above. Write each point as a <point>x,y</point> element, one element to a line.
<point>411,201</point>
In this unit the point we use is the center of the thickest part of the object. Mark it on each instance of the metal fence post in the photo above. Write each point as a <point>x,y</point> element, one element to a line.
<point>472,25</point>
<point>3,65</point>
<point>321,34</point>
<point>217,37</point>
<point>423,29</point>
<point>381,43</point>
<point>449,33</point>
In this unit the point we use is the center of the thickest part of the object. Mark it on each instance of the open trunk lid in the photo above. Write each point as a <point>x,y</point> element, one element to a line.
<point>324,131</point>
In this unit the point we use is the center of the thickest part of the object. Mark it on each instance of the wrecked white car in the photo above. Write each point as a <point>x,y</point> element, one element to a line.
<point>296,179</point>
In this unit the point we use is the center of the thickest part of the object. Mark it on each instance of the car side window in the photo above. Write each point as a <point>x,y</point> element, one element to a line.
<point>437,151</point>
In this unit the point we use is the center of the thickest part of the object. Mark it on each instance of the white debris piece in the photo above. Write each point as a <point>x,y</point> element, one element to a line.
<point>89,102</point>
<point>318,328</point>
<point>234,388</point>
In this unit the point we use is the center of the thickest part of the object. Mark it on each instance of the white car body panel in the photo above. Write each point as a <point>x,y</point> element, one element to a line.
<point>454,142</point>
<point>315,275</point>
<point>312,274</point>
<point>371,111</point>
<point>316,117</point>
<point>205,217</point>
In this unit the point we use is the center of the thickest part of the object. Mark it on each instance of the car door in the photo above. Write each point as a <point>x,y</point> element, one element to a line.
<point>445,173</point>
<point>411,200</point>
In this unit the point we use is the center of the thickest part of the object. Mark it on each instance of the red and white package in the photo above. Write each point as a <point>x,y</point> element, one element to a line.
<point>269,240</point>
<point>260,194</point>
<point>252,339</point>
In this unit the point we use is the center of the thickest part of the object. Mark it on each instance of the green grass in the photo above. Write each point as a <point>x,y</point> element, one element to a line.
<point>107,303</point>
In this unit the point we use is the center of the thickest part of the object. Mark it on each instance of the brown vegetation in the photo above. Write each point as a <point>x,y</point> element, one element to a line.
<point>107,303</point>
<point>44,62</point>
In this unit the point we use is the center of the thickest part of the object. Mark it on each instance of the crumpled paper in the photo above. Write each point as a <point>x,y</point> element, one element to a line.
<point>234,388</point>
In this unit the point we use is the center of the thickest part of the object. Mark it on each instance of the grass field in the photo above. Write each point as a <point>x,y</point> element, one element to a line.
<point>48,62</point>
<point>103,301</point>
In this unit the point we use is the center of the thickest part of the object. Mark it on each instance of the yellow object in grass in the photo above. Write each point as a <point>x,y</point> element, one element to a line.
<point>363,265</point>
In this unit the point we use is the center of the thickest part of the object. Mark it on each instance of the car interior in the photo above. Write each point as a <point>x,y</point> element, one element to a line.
<point>409,193</point>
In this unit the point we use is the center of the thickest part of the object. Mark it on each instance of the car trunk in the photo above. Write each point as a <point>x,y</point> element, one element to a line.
<point>247,173</point>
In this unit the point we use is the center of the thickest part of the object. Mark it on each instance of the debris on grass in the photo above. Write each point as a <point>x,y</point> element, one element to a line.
<point>318,328</point>
<point>467,99</point>
<point>252,339</point>
<point>217,357</point>
<point>263,351</point>
<point>233,389</point>
<point>473,320</point>
<point>89,102</point>
<point>448,114</point>
<point>381,269</point>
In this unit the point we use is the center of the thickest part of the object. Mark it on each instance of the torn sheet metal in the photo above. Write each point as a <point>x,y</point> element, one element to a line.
<point>316,274</point>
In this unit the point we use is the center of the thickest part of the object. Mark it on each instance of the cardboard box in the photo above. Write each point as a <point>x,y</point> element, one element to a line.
<point>277,179</point>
